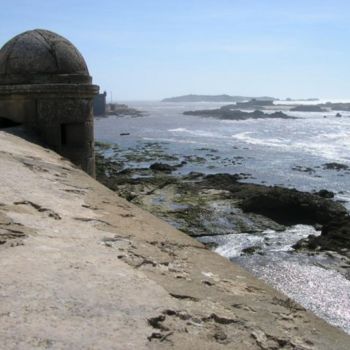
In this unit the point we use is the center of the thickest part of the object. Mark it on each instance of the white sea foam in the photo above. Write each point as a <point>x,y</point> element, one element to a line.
<point>198,133</point>
<point>179,130</point>
<point>235,243</point>
<point>331,146</point>
<point>163,139</point>
<point>272,142</point>
<point>328,151</point>
<point>231,245</point>
<point>297,278</point>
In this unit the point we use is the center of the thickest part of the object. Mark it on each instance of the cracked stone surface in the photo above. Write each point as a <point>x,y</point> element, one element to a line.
<point>82,268</point>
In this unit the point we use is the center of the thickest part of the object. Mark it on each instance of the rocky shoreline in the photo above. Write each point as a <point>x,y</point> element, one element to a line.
<point>78,259</point>
<point>122,110</point>
<point>242,110</point>
<point>219,204</point>
<point>230,112</point>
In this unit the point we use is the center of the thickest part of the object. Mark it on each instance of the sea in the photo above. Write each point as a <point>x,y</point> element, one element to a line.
<point>287,152</point>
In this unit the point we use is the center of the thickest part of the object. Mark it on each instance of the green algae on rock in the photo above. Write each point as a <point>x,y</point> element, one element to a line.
<point>218,204</point>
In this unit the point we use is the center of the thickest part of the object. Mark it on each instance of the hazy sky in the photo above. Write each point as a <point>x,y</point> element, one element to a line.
<point>150,49</point>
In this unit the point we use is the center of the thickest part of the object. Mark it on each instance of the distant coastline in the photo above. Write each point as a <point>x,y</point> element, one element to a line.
<point>234,114</point>
<point>216,98</point>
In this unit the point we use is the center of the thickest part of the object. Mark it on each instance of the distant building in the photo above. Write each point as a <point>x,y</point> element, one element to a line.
<point>99,104</point>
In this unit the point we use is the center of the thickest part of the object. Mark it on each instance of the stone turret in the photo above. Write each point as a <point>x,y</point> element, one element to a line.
<point>45,85</point>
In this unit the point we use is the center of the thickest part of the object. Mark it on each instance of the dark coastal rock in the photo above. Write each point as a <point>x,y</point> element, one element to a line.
<point>251,104</point>
<point>219,204</point>
<point>303,169</point>
<point>325,194</point>
<point>308,108</point>
<point>166,167</point>
<point>250,250</point>
<point>335,236</point>
<point>254,103</point>
<point>162,167</point>
<point>335,166</point>
<point>290,207</point>
<point>222,181</point>
<point>193,175</point>
<point>320,107</point>
<point>283,205</point>
<point>233,114</point>
<point>339,106</point>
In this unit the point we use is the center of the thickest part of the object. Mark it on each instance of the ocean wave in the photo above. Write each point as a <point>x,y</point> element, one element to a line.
<point>332,146</point>
<point>178,130</point>
<point>198,133</point>
<point>164,139</point>
<point>272,142</point>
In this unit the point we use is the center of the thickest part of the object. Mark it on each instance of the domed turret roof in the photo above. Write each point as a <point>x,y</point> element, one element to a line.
<point>41,57</point>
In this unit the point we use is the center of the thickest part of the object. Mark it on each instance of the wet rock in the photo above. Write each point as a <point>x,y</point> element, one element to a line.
<point>335,166</point>
<point>308,108</point>
<point>250,250</point>
<point>291,207</point>
<point>166,167</point>
<point>303,169</point>
<point>193,175</point>
<point>100,146</point>
<point>222,180</point>
<point>162,167</point>
<point>335,236</point>
<point>305,243</point>
<point>219,204</point>
<point>325,194</point>
<point>233,114</point>
<point>109,168</point>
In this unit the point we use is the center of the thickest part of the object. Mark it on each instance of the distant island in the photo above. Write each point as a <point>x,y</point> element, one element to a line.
<point>217,98</point>
<point>227,113</point>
